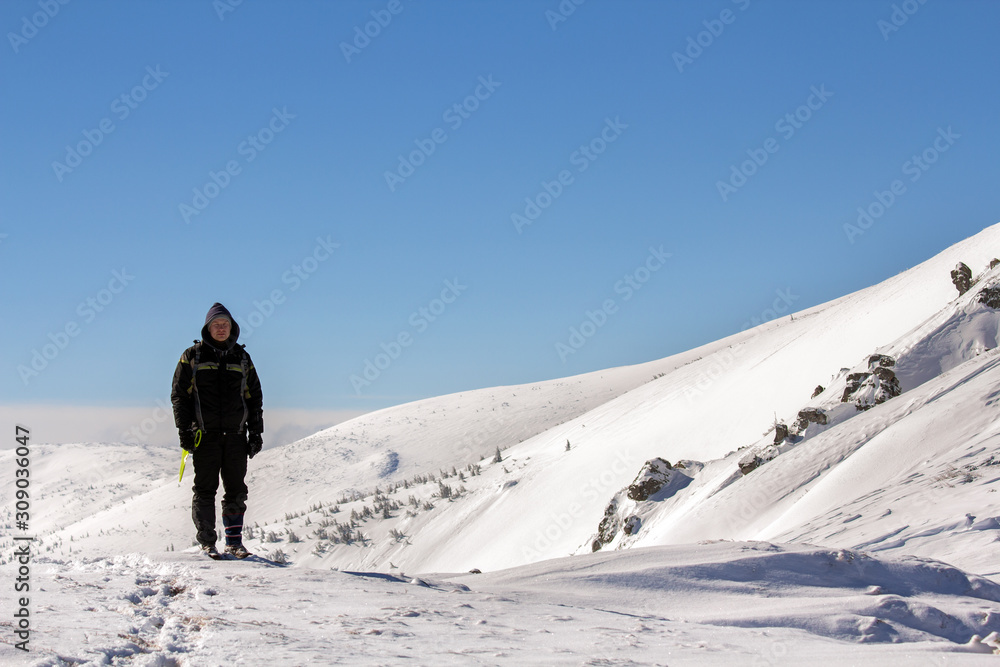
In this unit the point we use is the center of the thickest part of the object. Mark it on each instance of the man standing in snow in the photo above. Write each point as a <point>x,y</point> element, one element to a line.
<point>218,411</point>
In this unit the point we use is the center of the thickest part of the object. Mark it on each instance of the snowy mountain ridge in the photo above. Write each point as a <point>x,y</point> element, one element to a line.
<point>895,457</point>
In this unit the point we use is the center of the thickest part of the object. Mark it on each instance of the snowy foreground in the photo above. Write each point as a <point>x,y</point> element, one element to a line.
<point>721,603</point>
<point>825,493</point>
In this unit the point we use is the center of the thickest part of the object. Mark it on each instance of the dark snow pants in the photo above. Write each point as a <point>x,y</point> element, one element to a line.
<point>220,455</point>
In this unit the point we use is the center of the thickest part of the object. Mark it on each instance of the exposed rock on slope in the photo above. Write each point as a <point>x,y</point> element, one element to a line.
<point>876,386</point>
<point>654,476</point>
<point>990,296</point>
<point>961,276</point>
<point>657,481</point>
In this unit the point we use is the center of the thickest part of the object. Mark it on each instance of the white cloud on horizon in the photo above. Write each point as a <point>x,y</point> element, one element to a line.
<point>60,424</point>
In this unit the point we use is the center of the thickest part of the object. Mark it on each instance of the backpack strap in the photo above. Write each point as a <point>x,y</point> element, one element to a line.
<point>245,368</point>
<point>195,363</point>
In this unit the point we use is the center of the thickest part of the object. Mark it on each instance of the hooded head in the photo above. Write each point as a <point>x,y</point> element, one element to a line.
<point>215,312</point>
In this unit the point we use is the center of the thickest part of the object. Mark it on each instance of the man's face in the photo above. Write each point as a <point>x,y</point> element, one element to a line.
<point>219,328</point>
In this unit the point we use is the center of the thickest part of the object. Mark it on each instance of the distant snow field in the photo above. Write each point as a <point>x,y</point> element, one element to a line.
<point>820,489</point>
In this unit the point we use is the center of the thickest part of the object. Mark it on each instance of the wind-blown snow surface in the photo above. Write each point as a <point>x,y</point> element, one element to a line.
<point>886,496</point>
<point>668,605</point>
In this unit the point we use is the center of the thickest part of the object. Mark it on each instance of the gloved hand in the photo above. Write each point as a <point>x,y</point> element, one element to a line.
<point>186,436</point>
<point>254,443</point>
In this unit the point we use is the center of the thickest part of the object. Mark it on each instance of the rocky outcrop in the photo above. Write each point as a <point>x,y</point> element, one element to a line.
<point>750,462</point>
<point>854,382</point>
<point>780,433</point>
<point>880,386</point>
<point>866,390</point>
<point>994,263</point>
<point>608,527</point>
<point>632,525</point>
<point>809,416</point>
<point>961,277</point>
<point>880,361</point>
<point>990,296</point>
<point>653,476</point>
<point>818,390</point>
<point>657,480</point>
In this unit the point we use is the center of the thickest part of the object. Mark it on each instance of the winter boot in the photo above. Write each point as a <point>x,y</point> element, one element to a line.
<point>237,550</point>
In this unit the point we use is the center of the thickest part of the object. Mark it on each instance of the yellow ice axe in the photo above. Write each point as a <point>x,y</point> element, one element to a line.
<point>197,441</point>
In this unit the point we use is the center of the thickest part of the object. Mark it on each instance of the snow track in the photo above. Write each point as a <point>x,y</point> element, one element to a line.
<point>643,607</point>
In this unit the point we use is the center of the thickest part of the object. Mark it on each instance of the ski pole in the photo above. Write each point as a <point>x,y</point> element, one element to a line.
<point>197,441</point>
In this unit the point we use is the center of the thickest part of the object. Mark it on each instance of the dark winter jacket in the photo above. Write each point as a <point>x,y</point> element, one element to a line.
<point>215,386</point>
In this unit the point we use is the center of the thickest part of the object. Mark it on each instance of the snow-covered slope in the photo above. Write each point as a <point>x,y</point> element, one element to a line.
<point>455,430</point>
<point>416,487</point>
<point>716,604</point>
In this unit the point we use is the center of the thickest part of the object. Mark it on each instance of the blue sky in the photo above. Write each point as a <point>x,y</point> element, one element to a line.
<point>159,157</point>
